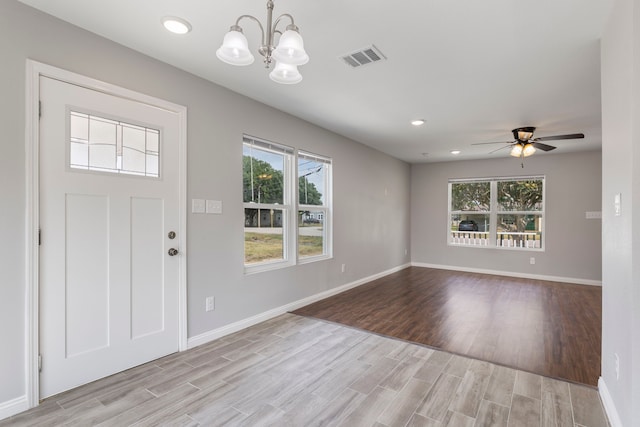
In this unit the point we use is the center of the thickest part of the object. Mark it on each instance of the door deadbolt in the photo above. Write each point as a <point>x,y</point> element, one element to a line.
<point>172,235</point>
<point>173,252</point>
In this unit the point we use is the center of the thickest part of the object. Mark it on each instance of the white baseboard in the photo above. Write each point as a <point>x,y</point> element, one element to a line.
<point>258,318</point>
<point>13,407</point>
<point>609,406</point>
<point>511,273</point>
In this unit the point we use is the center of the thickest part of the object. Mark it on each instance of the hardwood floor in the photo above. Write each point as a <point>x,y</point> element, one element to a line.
<point>300,371</point>
<point>551,329</point>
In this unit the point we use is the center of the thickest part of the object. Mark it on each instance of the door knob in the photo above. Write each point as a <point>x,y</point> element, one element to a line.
<point>173,252</point>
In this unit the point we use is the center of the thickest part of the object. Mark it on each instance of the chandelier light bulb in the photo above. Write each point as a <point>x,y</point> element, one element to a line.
<point>290,49</point>
<point>235,49</point>
<point>285,74</point>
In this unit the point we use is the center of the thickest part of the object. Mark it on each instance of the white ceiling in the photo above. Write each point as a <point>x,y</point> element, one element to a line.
<point>472,69</point>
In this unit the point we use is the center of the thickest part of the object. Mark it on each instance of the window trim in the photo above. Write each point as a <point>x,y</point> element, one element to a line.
<point>493,212</point>
<point>291,206</point>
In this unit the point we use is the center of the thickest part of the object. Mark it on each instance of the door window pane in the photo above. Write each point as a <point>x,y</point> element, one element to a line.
<point>100,144</point>
<point>102,156</point>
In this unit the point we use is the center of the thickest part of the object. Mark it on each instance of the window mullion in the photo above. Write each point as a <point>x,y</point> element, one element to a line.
<point>493,215</point>
<point>291,186</point>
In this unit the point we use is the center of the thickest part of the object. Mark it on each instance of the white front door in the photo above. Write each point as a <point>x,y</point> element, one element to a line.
<point>109,199</point>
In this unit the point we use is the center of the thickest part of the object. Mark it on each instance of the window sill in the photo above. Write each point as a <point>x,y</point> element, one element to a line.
<point>309,260</point>
<point>504,248</point>
<point>266,266</point>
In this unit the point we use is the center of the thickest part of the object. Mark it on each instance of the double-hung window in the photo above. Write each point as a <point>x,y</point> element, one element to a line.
<point>268,203</point>
<point>314,201</point>
<point>281,227</point>
<point>497,212</point>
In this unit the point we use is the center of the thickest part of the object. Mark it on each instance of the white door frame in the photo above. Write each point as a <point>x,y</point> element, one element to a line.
<point>32,207</point>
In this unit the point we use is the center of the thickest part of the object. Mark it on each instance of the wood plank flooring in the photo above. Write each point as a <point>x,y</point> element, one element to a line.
<point>300,371</point>
<point>551,329</point>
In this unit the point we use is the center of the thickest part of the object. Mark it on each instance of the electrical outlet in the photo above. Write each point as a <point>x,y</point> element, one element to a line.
<point>344,268</point>
<point>210,304</point>
<point>617,366</point>
<point>406,251</point>
<point>532,260</point>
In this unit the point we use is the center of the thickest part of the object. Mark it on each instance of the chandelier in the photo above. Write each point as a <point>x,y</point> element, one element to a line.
<point>288,54</point>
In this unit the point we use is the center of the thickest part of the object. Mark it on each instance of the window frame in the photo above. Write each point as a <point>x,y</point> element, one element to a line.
<point>325,208</point>
<point>291,206</point>
<point>494,212</point>
<point>289,241</point>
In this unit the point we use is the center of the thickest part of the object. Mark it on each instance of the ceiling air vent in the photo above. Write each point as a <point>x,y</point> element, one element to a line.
<point>364,56</point>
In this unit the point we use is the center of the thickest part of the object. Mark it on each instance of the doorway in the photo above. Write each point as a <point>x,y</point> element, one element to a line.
<point>110,212</point>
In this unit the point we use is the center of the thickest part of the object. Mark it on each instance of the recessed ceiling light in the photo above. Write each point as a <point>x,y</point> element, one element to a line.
<point>418,122</point>
<point>176,25</point>
<point>455,152</point>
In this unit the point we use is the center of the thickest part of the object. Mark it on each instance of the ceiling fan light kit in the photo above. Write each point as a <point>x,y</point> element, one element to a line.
<point>525,144</point>
<point>288,55</point>
<point>522,149</point>
<point>524,133</point>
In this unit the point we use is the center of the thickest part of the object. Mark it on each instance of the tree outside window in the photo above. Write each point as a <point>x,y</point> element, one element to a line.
<point>271,231</point>
<point>267,205</point>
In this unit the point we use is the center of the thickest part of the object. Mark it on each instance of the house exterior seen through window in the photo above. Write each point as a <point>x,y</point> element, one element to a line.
<point>314,173</point>
<point>497,212</point>
<point>281,227</point>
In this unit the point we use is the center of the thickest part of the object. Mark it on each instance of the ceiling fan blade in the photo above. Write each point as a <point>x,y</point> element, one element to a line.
<point>558,137</point>
<point>498,142</point>
<point>543,147</point>
<point>498,149</point>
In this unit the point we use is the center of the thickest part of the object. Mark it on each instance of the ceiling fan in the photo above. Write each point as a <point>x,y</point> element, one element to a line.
<point>525,144</point>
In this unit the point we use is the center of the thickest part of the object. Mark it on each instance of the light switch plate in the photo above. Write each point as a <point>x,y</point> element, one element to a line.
<point>593,215</point>
<point>214,206</point>
<point>617,204</point>
<point>197,206</point>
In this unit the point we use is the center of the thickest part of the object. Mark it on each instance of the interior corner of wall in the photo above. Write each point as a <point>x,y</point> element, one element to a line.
<point>608,404</point>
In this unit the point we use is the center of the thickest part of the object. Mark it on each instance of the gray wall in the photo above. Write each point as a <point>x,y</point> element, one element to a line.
<point>371,226</point>
<point>572,242</point>
<point>621,234</point>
